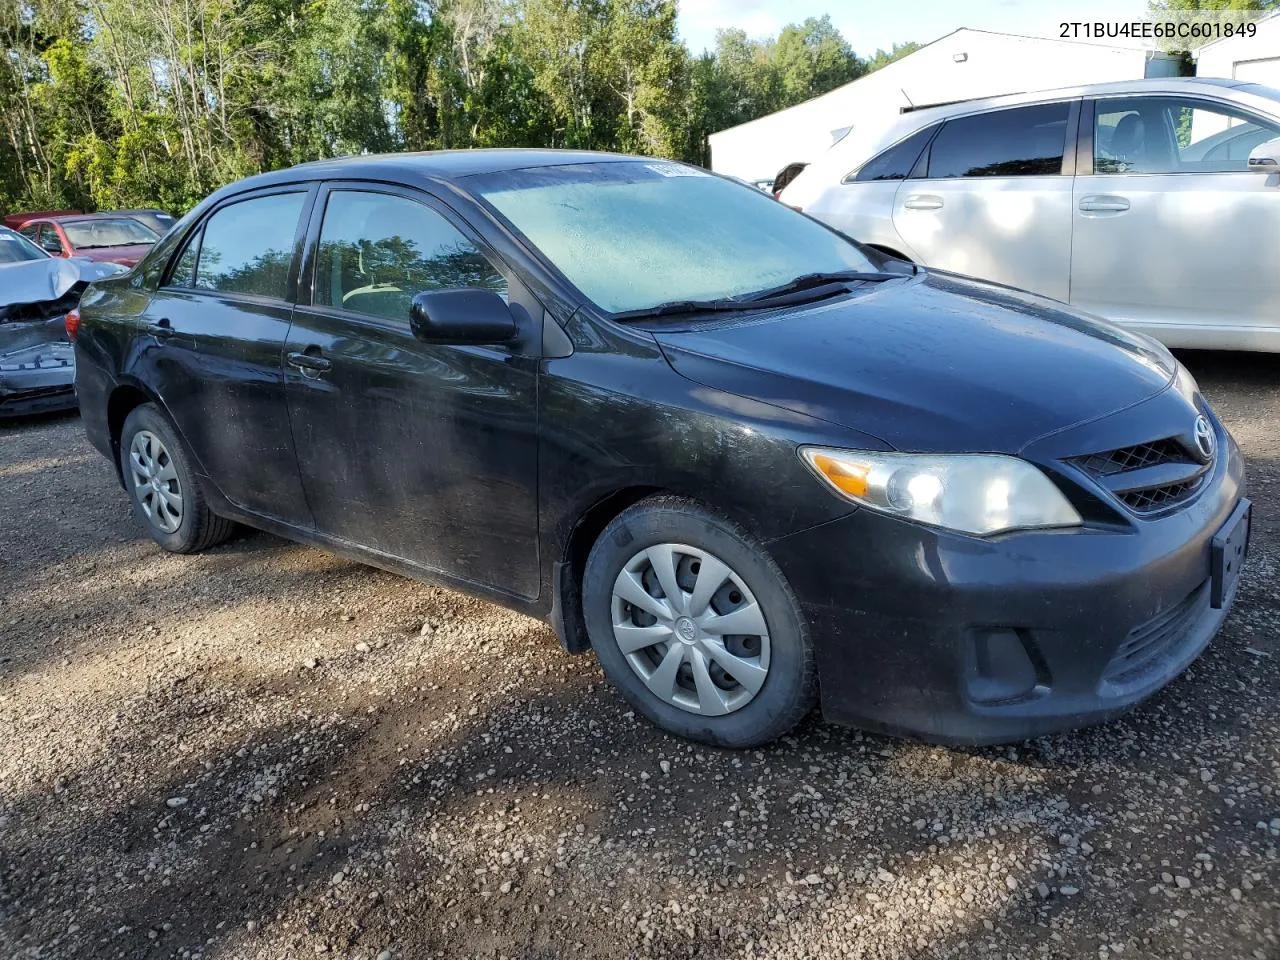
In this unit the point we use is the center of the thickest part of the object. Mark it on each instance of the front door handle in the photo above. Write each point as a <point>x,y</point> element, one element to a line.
<point>161,329</point>
<point>1104,203</point>
<point>311,364</point>
<point>923,201</point>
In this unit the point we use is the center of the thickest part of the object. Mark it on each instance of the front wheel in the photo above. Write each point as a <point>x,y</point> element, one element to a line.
<point>162,487</point>
<point>696,626</point>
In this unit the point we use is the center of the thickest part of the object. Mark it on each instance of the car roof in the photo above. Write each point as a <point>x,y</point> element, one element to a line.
<point>433,165</point>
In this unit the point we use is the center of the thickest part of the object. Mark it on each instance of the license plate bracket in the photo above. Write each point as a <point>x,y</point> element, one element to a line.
<point>1230,547</point>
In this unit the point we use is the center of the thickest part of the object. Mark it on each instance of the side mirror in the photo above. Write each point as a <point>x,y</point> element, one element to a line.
<point>1265,157</point>
<point>461,316</point>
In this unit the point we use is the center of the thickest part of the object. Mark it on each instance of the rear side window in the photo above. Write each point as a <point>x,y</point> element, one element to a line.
<point>897,162</point>
<point>1020,142</point>
<point>378,251</point>
<point>248,246</point>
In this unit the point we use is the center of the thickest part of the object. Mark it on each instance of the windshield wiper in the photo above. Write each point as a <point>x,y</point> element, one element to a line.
<point>681,306</point>
<point>810,281</point>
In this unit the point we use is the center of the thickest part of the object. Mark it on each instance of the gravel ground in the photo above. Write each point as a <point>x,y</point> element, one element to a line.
<point>267,752</point>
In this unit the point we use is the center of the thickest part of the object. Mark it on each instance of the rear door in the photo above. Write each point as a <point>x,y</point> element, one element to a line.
<point>212,343</point>
<point>424,452</point>
<point>991,197</point>
<point>1173,234</point>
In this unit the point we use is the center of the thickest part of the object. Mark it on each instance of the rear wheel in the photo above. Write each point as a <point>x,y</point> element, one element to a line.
<point>162,487</point>
<point>696,625</point>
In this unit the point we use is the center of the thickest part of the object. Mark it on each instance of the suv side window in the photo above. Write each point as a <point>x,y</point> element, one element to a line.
<point>1174,135</point>
<point>1018,142</point>
<point>897,162</point>
<point>248,246</point>
<point>377,251</point>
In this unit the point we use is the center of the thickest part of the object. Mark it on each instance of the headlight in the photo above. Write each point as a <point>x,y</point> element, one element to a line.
<point>973,493</point>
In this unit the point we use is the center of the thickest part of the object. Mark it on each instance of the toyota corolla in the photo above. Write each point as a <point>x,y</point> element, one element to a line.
<point>750,463</point>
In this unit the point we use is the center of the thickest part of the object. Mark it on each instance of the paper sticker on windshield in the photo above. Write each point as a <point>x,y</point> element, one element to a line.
<point>674,170</point>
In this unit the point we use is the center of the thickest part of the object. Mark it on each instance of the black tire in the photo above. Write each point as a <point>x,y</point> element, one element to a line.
<point>199,527</point>
<point>789,690</point>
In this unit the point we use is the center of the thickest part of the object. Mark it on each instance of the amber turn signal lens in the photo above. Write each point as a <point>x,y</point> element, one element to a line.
<point>72,323</point>
<point>850,478</point>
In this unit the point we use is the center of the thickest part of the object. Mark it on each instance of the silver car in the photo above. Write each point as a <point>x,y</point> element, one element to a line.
<point>1153,203</point>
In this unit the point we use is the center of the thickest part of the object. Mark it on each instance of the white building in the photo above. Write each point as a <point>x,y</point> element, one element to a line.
<point>962,65</point>
<point>1253,59</point>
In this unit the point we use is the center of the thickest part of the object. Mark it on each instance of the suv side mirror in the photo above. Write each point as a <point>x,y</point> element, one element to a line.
<point>471,315</point>
<point>1265,157</point>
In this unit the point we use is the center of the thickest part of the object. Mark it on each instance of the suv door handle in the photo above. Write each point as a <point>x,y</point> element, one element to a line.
<point>1104,203</point>
<point>923,201</point>
<point>309,363</point>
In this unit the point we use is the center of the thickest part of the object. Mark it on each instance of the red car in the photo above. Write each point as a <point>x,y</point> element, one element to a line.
<point>112,239</point>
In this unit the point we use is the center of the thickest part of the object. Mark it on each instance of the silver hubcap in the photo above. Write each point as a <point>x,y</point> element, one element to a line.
<point>155,481</point>
<point>690,629</point>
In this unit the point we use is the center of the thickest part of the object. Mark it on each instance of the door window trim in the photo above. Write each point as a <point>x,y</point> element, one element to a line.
<point>1085,155</point>
<point>308,188</point>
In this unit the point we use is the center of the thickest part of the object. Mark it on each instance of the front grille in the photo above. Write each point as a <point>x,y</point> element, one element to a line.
<point>1149,644</point>
<point>1151,499</point>
<point>1133,458</point>
<point>1119,471</point>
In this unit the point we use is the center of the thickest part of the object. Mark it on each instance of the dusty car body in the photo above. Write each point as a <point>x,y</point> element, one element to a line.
<point>37,363</point>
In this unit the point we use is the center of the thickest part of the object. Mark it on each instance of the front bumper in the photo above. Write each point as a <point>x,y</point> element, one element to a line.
<point>959,640</point>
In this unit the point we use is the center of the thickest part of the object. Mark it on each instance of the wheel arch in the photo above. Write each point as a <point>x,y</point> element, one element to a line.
<point>566,575</point>
<point>123,400</point>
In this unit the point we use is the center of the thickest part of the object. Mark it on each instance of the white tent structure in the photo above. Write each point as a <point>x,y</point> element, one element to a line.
<point>1253,59</point>
<point>960,66</point>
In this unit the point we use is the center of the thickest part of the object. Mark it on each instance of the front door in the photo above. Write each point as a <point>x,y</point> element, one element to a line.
<point>423,452</point>
<point>214,332</point>
<point>991,197</point>
<point>1172,232</point>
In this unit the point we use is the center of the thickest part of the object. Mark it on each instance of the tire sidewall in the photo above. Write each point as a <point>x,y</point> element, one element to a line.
<point>789,687</point>
<point>147,417</point>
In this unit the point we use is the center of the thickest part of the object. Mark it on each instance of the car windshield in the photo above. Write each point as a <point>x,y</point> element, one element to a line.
<point>635,234</point>
<point>15,248</point>
<point>120,232</point>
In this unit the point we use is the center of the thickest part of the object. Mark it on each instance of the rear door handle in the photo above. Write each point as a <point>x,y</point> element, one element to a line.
<point>923,201</point>
<point>1104,203</point>
<point>309,363</point>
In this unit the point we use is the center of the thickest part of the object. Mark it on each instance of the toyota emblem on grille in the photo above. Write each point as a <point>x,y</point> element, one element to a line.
<point>1204,438</point>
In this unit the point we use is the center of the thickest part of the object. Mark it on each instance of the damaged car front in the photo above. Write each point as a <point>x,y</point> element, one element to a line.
<point>37,291</point>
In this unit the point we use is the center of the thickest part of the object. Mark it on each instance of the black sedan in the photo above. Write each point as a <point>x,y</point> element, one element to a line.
<point>749,462</point>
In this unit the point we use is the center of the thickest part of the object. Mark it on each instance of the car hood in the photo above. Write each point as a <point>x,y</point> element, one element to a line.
<point>128,254</point>
<point>933,363</point>
<point>35,281</point>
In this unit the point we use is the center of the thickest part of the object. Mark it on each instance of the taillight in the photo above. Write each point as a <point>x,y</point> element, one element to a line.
<point>73,325</point>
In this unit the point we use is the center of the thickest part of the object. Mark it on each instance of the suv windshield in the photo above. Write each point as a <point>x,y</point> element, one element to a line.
<point>15,248</point>
<point>635,234</point>
<point>107,233</point>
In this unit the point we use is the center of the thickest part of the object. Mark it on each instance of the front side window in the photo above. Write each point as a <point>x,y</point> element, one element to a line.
<point>121,232</point>
<point>897,162</point>
<point>634,234</point>
<point>47,239</point>
<point>248,246</point>
<point>1174,135</point>
<point>378,251</point>
<point>1019,142</point>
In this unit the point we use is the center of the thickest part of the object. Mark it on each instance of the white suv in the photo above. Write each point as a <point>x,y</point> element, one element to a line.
<point>1154,203</point>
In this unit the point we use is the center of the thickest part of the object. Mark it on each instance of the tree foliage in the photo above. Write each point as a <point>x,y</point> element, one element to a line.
<point>116,103</point>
